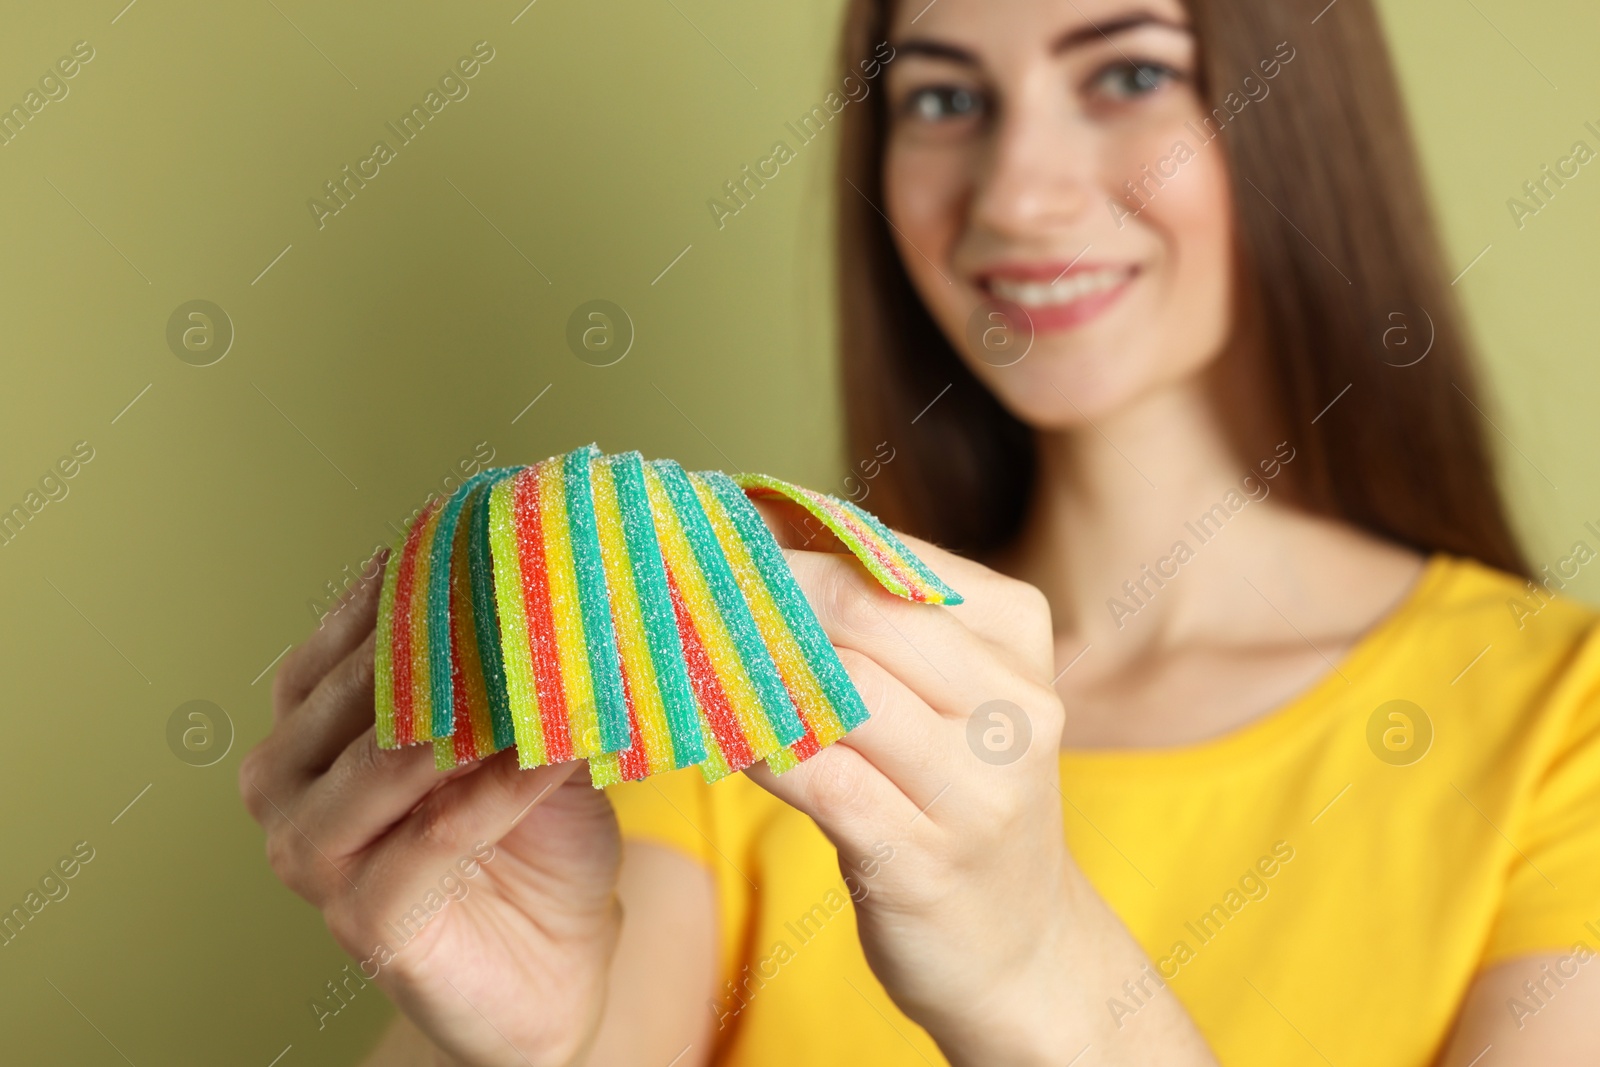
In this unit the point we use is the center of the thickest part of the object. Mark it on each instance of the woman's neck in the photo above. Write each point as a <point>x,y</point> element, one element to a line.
<point>1139,509</point>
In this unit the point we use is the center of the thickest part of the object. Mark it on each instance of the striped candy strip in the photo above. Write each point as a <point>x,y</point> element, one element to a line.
<point>632,614</point>
<point>889,561</point>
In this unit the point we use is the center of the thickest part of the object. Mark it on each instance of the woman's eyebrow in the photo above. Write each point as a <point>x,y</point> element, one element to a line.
<point>934,49</point>
<point>925,46</point>
<point>1122,24</point>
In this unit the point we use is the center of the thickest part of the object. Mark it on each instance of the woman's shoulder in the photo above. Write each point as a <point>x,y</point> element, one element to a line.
<point>1518,652</point>
<point>1535,620</point>
<point>1513,688</point>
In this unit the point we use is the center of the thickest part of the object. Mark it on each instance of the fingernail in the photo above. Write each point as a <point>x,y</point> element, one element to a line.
<point>374,564</point>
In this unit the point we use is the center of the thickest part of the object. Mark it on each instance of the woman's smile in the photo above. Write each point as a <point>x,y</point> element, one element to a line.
<point>1057,296</point>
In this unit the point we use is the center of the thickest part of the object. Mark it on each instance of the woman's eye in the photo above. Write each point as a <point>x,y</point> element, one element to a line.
<point>938,103</point>
<point>1126,81</point>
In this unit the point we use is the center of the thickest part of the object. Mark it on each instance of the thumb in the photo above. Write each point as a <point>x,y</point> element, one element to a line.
<point>483,805</point>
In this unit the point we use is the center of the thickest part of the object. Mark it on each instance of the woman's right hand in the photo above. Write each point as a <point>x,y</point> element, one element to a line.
<point>513,972</point>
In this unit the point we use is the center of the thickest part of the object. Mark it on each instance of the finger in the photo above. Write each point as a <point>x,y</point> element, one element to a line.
<point>1005,611</point>
<point>938,658</point>
<point>484,805</point>
<point>315,827</point>
<point>333,715</point>
<point>295,857</point>
<point>907,741</point>
<point>795,528</point>
<point>848,798</point>
<point>341,630</point>
<point>573,834</point>
<point>367,791</point>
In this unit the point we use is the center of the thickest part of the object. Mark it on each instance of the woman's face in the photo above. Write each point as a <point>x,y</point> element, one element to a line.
<point>1047,172</point>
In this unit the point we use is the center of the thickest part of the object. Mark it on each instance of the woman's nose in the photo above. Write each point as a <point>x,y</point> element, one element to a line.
<point>1037,174</point>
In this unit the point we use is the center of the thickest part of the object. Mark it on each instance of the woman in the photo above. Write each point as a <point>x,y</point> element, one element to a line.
<point>1252,742</point>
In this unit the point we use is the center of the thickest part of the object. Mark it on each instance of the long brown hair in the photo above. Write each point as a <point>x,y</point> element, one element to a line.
<point>1403,454</point>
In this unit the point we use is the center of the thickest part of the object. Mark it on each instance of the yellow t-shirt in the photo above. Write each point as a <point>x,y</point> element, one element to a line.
<point>1320,884</point>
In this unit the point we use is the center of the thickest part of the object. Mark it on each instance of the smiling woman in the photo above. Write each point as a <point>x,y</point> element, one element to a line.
<point>1082,810</point>
<point>1291,193</point>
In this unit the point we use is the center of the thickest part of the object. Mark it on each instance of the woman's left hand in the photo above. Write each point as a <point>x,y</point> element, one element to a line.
<point>981,928</point>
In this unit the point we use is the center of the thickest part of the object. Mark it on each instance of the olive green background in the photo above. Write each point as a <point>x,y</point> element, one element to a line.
<point>422,320</point>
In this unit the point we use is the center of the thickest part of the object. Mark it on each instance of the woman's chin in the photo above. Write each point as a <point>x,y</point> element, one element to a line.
<point>1058,387</point>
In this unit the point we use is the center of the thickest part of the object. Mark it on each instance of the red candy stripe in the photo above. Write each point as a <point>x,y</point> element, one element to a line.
<point>714,705</point>
<point>632,762</point>
<point>464,739</point>
<point>868,538</point>
<point>807,746</point>
<point>541,624</point>
<point>404,711</point>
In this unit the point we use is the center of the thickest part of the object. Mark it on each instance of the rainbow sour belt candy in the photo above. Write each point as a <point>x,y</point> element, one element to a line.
<point>631,614</point>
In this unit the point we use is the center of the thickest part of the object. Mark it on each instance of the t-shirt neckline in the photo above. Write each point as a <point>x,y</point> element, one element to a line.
<point>1273,724</point>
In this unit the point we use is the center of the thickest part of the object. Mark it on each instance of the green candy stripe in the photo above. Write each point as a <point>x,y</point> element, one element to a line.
<point>903,554</point>
<point>831,512</point>
<point>735,612</point>
<point>655,604</point>
<point>485,619</point>
<point>808,632</point>
<point>594,602</point>
<point>441,689</point>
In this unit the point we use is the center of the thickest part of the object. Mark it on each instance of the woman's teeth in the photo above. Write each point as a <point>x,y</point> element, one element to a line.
<point>1064,291</point>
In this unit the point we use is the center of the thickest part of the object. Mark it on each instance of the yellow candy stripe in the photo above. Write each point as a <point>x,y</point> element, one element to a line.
<point>716,765</point>
<point>471,698</point>
<point>894,565</point>
<point>583,721</point>
<point>516,649</point>
<point>383,655</point>
<point>421,701</point>
<point>627,617</point>
<point>604,769</point>
<point>815,709</point>
<point>719,646</point>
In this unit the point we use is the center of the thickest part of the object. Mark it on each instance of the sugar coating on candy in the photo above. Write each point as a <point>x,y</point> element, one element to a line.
<point>885,556</point>
<point>637,524</point>
<point>719,621</point>
<point>560,644</point>
<point>721,653</point>
<point>938,591</point>
<point>788,598</point>
<point>592,600</point>
<point>470,737</point>
<point>485,620</point>
<point>395,714</point>
<point>476,679</point>
<point>586,693</point>
<point>627,613</point>
<point>716,765</point>
<point>727,747</point>
<point>421,688</point>
<point>440,633</point>
<point>811,700</point>
<point>516,640</point>
<point>648,715</point>
<point>671,490</point>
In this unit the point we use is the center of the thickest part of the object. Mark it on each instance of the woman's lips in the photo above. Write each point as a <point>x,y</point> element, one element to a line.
<point>1061,301</point>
